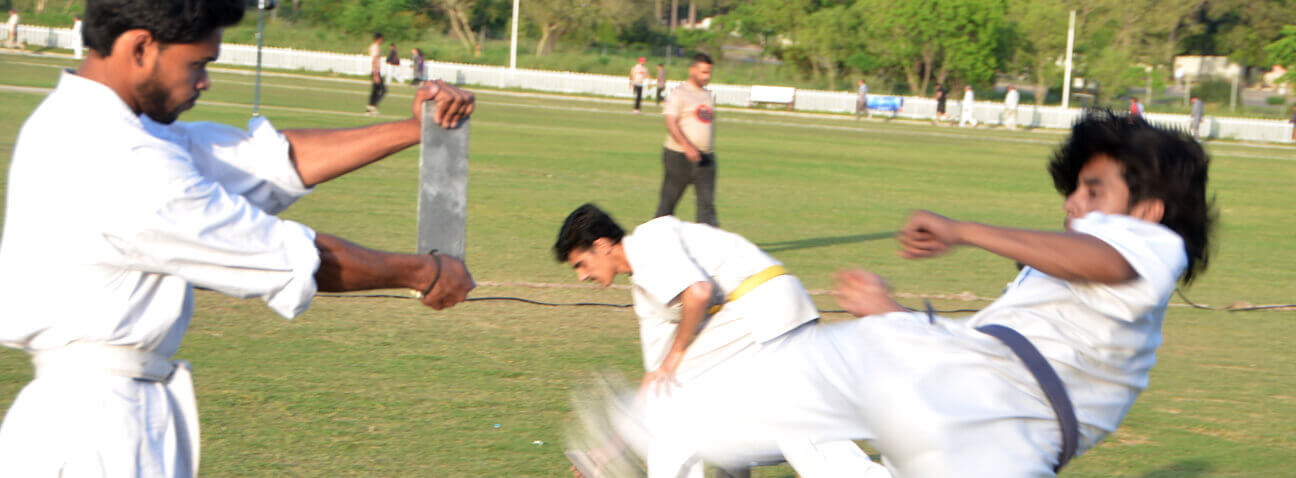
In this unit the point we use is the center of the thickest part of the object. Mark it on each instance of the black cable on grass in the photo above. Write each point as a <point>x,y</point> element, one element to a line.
<point>832,311</point>
<point>1232,309</point>
<point>570,304</point>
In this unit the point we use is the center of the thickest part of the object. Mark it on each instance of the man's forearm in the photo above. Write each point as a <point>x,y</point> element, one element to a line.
<point>323,154</point>
<point>693,307</point>
<point>1065,255</point>
<point>346,267</point>
<point>673,129</point>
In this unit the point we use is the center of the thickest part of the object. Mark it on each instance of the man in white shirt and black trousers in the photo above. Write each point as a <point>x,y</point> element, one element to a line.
<point>1037,377</point>
<point>106,236</point>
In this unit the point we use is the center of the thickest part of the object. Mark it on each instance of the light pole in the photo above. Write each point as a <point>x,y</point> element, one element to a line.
<point>262,6</point>
<point>513,43</point>
<point>1066,83</point>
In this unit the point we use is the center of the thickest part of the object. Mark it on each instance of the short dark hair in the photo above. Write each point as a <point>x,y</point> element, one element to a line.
<point>1157,163</point>
<point>377,35</point>
<point>583,226</point>
<point>700,58</point>
<point>169,21</point>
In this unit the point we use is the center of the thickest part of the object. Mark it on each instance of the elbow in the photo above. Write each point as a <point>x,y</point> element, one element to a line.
<point>699,293</point>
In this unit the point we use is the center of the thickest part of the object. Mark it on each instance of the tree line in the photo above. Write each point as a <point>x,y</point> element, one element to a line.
<point>907,46</point>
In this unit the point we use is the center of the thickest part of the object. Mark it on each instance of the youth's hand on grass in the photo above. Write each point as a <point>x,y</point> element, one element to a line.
<point>659,382</point>
<point>452,104</point>
<point>927,234</point>
<point>862,293</point>
<point>451,287</point>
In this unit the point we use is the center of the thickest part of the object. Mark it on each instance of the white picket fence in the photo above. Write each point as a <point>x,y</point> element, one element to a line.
<point>919,108</point>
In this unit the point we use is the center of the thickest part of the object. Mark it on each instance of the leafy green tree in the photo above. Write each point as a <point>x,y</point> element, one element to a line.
<point>1283,52</point>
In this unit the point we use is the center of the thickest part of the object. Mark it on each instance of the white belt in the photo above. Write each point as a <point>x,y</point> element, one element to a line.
<point>97,359</point>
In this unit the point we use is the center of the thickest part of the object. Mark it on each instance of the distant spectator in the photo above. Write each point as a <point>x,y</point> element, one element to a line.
<point>1010,108</point>
<point>1198,111</point>
<point>861,103</point>
<point>638,77</point>
<point>378,89</point>
<point>1293,122</point>
<point>968,108</point>
<point>416,63</point>
<point>941,94</point>
<point>77,41</point>
<point>11,29</point>
<point>1136,108</point>
<point>688,156</point>
<point>661,82</point>
<point>393,63</point>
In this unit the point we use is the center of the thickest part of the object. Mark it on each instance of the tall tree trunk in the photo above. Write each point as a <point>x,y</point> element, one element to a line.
<point>674,15</point>
<point>928,60</point>
<point>40,6</point>
<point>548,34</point>
<point>911,74</point>
<point>692,14</point>
<point>657,12</point>
<point>461,28</point>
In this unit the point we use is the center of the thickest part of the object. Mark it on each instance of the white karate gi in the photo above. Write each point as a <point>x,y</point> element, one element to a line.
<point>968,108</point>
<point>939,398</point>
<point>667,256</point>
<point>111,220</point>
<point>1010,108</point>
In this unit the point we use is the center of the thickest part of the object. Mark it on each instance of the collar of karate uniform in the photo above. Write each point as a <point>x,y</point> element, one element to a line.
<point>94,96</point>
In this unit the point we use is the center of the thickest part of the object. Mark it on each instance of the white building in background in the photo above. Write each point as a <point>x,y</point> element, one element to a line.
<point>1205,67</point>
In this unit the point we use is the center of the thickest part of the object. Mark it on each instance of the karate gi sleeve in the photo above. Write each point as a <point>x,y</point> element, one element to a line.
<point>663,267</point>
<point>1155,253</point>
<point>254,163</point>
<point>178,222</point>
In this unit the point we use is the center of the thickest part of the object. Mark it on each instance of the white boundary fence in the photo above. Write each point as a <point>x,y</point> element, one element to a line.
<point>919,108</point>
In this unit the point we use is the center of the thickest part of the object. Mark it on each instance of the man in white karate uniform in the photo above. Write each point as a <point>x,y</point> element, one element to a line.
<point>1042,374</point>
<point>706,299</point>
<point>107,231</point>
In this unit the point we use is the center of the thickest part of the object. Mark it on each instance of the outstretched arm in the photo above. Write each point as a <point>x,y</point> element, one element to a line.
<point>694,302</point>
<point>1065,255</point>
<point>323,154</point>
<point>346,267</point>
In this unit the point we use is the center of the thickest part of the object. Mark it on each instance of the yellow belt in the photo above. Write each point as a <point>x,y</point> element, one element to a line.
<point>748,284</point>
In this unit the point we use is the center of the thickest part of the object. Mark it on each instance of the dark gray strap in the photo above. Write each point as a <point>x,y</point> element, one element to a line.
<point>1054,389</point>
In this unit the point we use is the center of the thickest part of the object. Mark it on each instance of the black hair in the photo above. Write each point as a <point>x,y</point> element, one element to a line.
<point>1157,163</point>
<point>169,21</point>
<point>583,226</point>
<point>377,35</point>
<point>701,58</point>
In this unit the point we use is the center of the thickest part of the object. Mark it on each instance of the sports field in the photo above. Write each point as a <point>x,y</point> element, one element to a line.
<point>385,387</point>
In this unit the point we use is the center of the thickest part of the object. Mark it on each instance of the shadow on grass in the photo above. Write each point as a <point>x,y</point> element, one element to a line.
<point>1181,469</point>
<point>780,246</point>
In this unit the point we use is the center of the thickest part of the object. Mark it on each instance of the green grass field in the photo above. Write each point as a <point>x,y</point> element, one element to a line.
<point>384,387</point>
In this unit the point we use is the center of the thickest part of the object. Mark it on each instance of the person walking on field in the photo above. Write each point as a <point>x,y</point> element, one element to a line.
<point>393,64</point>
<point>78,45</point>
<point>861,103</point>
<point>1010,108</point>
<point>638,79</point>
<point>1198,112</point>
<point>688,157</point>
<point>661,82</point>
<point>378,88</point>
<point>11,29</point>
<point>1293,122</point>
<point>416,64</point>
<point>941,95</point>
<point>968,108</point>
